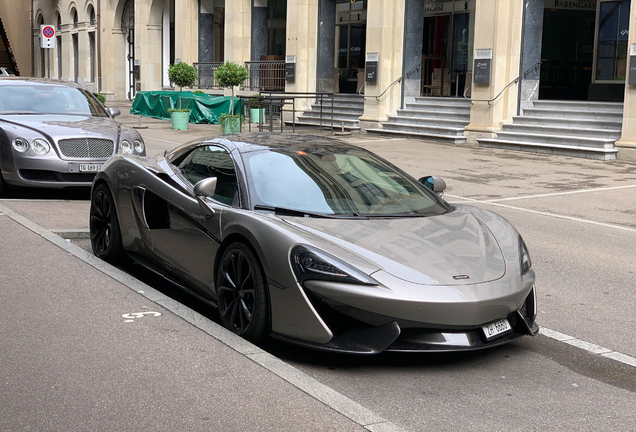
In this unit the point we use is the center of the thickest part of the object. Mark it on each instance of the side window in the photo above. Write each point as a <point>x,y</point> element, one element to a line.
<point>210,161</point>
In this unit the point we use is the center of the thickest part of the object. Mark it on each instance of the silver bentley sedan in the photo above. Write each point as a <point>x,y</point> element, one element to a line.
<point>55,134</point>
<point>319,243</point>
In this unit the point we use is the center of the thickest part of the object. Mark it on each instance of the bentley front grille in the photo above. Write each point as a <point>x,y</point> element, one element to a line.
<point>86,148</point>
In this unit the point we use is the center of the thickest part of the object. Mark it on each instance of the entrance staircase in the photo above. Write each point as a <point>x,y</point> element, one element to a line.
<point>347,109</point>
<point>435,118</point>
<point>567,128</point>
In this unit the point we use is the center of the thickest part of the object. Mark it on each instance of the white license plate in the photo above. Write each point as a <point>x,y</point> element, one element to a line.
<point>90,167</point>
<point>497,328</point>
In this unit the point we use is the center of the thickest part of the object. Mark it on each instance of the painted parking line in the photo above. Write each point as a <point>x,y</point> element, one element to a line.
<point>554,215</point>
<point>328,396</point>
<point>578,191</point>
<point>589,347</point>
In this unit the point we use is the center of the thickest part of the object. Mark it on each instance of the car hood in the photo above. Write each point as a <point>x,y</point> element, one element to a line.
<point>451,249</point>
<point>64,126</point>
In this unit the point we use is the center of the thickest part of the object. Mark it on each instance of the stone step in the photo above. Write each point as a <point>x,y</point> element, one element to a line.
<point>354,116</point>
<point>444,101</point>
<point>579,105</point>
<point>551,149</point>
<point>337,123</point>
<point>572,114</point>
<point>425,129</point>
<point>326,104</point>
<point>434,114</point>
<point>338,108</point>
<point>558,140</point>
<point>438,107</point>
<point>540,129</point>
<point>578,123</point>
<point>433,121</point>
<point>429,136</point>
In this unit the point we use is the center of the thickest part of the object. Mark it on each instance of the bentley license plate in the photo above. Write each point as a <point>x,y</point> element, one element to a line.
<point>495,329</point>
<point>90,167</point>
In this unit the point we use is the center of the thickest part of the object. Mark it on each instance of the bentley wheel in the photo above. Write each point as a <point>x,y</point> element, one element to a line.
<point>104,226</point>
<point>242,294</point>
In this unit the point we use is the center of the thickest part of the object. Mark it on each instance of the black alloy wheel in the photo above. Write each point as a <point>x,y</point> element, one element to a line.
<point>242,294</point>
<point>104,226</point>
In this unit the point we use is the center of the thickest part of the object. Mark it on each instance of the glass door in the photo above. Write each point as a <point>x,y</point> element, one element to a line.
<point>351,41</point>
<point>610,62</point>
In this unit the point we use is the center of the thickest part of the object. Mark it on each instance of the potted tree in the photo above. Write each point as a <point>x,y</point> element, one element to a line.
<point>230,75</point>
<point>182,75</point>
<point>257,108</point>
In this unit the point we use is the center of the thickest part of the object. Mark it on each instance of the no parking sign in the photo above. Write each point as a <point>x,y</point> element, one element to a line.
<point>47,36</point>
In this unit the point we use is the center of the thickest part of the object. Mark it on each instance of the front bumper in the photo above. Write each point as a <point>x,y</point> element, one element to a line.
<point>47,171</point>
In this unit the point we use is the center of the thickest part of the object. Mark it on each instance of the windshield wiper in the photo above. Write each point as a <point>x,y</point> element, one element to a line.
<point>302,213</point>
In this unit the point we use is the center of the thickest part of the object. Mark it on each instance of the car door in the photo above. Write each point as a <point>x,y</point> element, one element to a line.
<point>187,236</point>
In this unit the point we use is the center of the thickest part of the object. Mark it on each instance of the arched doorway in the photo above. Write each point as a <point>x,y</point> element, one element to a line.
<point>128,28</point>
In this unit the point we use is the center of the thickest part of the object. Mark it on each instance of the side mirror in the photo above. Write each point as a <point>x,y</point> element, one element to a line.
<point>114,112</point>
<point>434,184</point>
<point>205,188</point>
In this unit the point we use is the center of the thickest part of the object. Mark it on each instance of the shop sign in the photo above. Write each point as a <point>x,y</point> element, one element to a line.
<point>589,5</point>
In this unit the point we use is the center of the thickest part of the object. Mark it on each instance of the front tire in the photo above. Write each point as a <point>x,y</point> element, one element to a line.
<point>104,226</point>
<point>242,293</point>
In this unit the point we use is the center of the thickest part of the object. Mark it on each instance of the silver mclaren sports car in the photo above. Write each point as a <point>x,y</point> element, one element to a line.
<point>317,242</point>
<point>55,134</point>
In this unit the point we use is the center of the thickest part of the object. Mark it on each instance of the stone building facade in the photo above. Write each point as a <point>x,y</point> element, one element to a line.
<point>533,49</point>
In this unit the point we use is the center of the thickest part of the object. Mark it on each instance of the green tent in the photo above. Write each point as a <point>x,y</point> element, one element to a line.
<point>204,108</point>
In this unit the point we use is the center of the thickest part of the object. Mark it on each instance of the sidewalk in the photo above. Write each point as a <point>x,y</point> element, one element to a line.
<point>87,347</point>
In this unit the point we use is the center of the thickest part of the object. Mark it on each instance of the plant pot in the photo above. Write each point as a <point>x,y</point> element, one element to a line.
<point>231,126</point>
<point>180,120</point>
<point>256,114</point>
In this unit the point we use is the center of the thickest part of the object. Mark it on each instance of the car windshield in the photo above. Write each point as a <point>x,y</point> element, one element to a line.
<point>337,181</point>
<point>34,98</point>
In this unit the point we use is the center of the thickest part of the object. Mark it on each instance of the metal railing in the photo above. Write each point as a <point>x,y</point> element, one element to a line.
<point>205,72</point>
<point>265,76</point>
<point>273,103</point>
<point>406,75</point>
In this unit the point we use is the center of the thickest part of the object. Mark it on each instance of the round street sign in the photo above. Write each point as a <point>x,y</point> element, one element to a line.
<point>48,31</point>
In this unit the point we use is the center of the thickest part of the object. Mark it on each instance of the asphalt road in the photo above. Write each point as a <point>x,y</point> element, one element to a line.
<point>577,217</point>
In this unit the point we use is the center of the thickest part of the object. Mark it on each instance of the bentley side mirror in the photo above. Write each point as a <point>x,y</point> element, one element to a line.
<point>435,184</point>
<point>114,112</point>
<point>205,188</point>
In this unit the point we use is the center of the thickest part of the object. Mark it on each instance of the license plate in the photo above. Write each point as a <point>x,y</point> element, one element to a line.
<point>90,167</point>
<point>497,328</point>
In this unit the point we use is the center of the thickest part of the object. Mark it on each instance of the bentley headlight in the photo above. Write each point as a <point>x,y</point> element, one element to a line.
<point>139,146</point>
<point>126,147</point>
<point>40,146</point>
<point>313,264</point>
<point>524,257</point>
<point>20,144</point>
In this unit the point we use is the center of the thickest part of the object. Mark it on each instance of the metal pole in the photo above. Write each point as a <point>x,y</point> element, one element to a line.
<point>271,116</point>
<point>294,115</point>
<point>332,114</point>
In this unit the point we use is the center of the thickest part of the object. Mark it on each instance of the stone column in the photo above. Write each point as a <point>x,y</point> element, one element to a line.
<point>259,29</point>
<point>531,58</point>
<point>238,30</point>
<point>385,36</point>
<point>497,27</point>
<point>67,52</point>
<point>148,37</point>
<point>186,30</point>
<point>413,37</point>
<point>302,42</point>
<point>326,45</point>
<point>83,52</point>
<point>627,144</point>
<point>206,31</point>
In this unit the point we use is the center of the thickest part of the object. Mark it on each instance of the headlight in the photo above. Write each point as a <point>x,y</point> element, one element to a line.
<point>20,144</point>
<point>126,147</point>
<point>40,146</point>
<point>312,264</point>
<point>524,257</point>
<point>139,146</point>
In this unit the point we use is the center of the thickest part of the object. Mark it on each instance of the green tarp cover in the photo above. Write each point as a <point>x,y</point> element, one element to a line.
<point>204,108</point>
